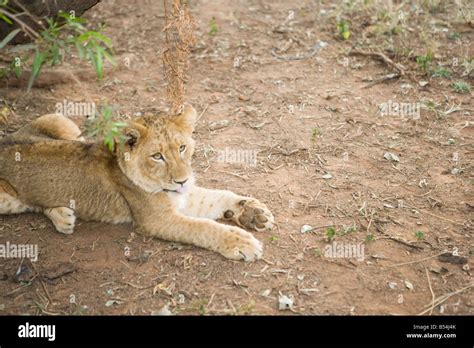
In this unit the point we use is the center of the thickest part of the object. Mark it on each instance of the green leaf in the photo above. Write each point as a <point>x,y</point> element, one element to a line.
<point>55,55</point>
<point>6,19</point>
<point>101,37</point>
<point>80,50</point>
<point>17,69</point>
<point>98,62</point>
<point>36,68</point>
<point>109,57</point>
<point>9,37</point>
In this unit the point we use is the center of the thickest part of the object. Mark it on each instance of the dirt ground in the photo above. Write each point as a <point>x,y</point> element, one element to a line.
<point>305,118</point>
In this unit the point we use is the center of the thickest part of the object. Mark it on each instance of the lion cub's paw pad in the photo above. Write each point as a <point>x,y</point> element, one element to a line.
<point>63,219</point>
<point>241,245</point>
<point>253,215</point>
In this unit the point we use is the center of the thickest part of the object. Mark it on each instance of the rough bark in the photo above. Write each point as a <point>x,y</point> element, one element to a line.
<point>35,10</point>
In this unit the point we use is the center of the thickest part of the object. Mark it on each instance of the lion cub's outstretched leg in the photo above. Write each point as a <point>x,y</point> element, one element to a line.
<point>246,212</point>
<point>63,219</point>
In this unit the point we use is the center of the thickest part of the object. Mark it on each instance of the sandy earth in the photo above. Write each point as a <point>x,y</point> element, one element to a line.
<point>303,119</point>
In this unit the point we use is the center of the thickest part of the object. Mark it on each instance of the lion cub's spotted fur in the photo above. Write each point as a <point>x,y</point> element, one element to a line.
<point>45,167</point>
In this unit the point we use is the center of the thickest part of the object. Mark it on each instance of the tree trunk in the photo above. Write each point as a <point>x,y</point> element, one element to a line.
<point>33,11</point>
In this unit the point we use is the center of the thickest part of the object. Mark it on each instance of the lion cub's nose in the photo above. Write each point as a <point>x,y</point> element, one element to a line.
<point>180,182</point>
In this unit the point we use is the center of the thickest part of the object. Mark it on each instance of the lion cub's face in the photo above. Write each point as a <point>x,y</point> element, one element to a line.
<point>157,155</point>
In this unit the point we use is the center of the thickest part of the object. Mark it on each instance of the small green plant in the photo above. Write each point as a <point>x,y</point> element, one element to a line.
<point>454,36</point>
<point>315,132</point>
<point>461,87</point>
<point>433,6</point>
<point>54,43</point>
<point>425,60</point>
<point>202,309</point>
<point>213,27</point>
<point>419,235</point>
<point>346,230</point>
<point>273,239</point>
<point>441,72</point>
<point>104,127</point>
<point>330,233</point>
<point>343,29</point>
<point>369,238</point>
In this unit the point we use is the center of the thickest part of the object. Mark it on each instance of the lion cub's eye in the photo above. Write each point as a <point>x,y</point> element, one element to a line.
<point>182,148</point>
<point>158,157</point>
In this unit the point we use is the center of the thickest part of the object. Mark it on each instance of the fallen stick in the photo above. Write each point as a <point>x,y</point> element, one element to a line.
<point>314,50</point>
<point>384,78</point>
<point>444,298</point>
<point>433,297</point>
<point>416,261</point>
<point>380,56</point>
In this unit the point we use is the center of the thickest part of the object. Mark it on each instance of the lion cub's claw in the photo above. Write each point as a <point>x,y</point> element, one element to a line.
<point>63,219</point>
<point>251,214</point>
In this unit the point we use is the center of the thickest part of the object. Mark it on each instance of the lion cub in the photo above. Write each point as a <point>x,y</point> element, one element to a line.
<point>44,167</point>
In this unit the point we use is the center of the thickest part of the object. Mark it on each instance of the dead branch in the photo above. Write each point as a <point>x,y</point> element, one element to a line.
<point>381,57</point>
<point>179,37</point>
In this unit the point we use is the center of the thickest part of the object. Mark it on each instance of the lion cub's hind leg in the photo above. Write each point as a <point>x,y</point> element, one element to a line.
<point>63,219</point>
<point>57,127</point>
<point>9,204</point>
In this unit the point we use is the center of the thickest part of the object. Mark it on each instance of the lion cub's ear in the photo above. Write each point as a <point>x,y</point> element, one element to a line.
<point>186,119</point>
<point>134,134</point>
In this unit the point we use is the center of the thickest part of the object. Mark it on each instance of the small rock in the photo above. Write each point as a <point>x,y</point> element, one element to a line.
<point>438,269</point>
<point>306,228</point>
<point>408,285</point>
<point>455,171</point>
<point>266,293</point>
<point>59,270</point>
<point>24,274</point>
<point>110,303</point>
<point>299,257</point>
<point>423,83</point>
<point>300,276</point>
<point>163,311</point>
<point>454,259</point>
<point>391,157</point>
<point>285,302</point>
<point>451,141</point>
<point>392,285</point>
<point>215,125</point>
<point>322,44</point>
<point>327,176</point>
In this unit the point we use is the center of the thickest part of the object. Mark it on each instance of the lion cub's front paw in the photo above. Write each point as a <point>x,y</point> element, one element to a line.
<point>238,244</point>
<point>63,219</point>
<point>251,214</point>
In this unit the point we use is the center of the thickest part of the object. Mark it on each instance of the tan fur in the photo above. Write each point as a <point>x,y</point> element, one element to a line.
<point>44,167</point>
